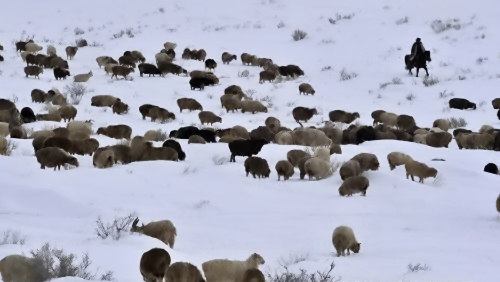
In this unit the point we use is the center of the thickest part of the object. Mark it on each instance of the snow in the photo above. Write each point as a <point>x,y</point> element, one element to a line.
<point>449,224</point>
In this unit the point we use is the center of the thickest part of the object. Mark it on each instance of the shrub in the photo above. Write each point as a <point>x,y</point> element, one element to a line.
<point>220,160</point>
<point>302,276</point>
<point>430,81</point>
<point>418,267</point>
<point>115,228</point>
<point>457,122</point>
<point>10,147</point>
<point>345,75</point>
<point>12,238</point>
<point>75,92</point>
<point>299,35</point>
<point>402,21</point>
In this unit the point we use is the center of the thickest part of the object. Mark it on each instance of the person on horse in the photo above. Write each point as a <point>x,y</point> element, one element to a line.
<point>417,49</point>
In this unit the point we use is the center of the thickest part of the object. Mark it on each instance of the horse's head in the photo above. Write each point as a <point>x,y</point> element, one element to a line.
<point>427,56</point>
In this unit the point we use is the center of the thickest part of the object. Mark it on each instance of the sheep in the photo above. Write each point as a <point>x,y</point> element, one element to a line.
<point>283,137</point>
<point>498,204</point>
<point>80,126</point>
<point>38,96</point>
<point>83,77</point>
<point>405,122</point>
<point>230,270</point>
<point>6,104</point>
<point>349,169</point>
<point>486,128</point>
<point>33,47</point>
<point>187,131</point>
<point>266,76</point>
<point>104,60</point>
<point>208,117</point>
<point>137,56</point>
<point>257,167</point>
<point>443,124</point>
<point>177,147</point>
<point>460,130</point>
<point>491,168</point>
<point>252,106</point>
<point>196,139</point>
<point>25,54</point>
<point>290,71</point>
<point>322,153</point>
<point>148,69</point>
<point>310,137</point>
<point>273,124</point>
<point>127,61</point>
<point>230,102</point>
<point>9,115</point>
<point>119,131</point>
<point>154,264</point>
<point>303,113</point>
<point>438,139</point>
<point>18,132</point>
<point>397,158</point>
<point>262,132</point>
<point>57,98</point>
<point>57,62</point>
<point>227,58</point>
<point>284,168</point>
<point>151,153</point>
<point>154,135</point>
<point>245,148</point>
<point>162,57</point>
<point>183,272</point>
<point>27,115</point>
<point>121,71</point>
<point>420,138</point>
<point>51,50</point>
<point>61,132</point>
<point>197,83</point>
<point>104,159</point>
<point>342,116</point>
<point>318,168</point>
<point>168,67</point>
<point>461,104</point>
<point>78,136</point>
<point>54,157</point>
<point>367,161</point>
<point>67,113</point>
<point>21,45</point>
<point>18,268</point>
<point>38,141</point>
<point>84,146</point>
<point>199,55</point>
<point>103,100</point>
<point>293,156</point>
<point>210,64</point>
<point>169,45</point>
<point>421,170</point>
<point>108,68</point>
<point>71,52</point>
<point>188,104</point>
<point>163,230</point>
<point>343,239</point>
<point>233,89</point>
<point>61,73</point>
<point>484,141</point>
<point>354,184</point>
<point>496,103</point>
<point>306,88</point>
<point>122,153</point>
<point>239,131</point>
<point>228,138</point>
<point>4,129</point>
<point>160,113</point>
<point>33,71</point>
<point>59,142</point>
<point>248,59</point>
<point>120,108</point>
<point>388,119</point>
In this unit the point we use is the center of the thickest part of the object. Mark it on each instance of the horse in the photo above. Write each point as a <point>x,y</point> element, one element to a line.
<point>419,62</point>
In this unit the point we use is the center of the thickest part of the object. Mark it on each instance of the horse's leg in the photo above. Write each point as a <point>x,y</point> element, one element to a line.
<point>417,71</point>
<point>426,71</point>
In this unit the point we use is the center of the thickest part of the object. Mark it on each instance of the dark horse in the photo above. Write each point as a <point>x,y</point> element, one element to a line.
<point>419,62</point>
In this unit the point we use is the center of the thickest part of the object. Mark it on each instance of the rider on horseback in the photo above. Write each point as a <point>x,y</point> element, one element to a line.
<point>416,49</point>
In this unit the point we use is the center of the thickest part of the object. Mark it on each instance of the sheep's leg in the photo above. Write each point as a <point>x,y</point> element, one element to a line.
<point>421,180</point>
<point>426,71</point>
<point>412,179</point>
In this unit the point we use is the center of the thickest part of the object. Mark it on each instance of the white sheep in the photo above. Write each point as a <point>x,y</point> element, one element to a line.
<point>436,130</point>
<point>80,126</point>
<point>51,50</point>
<point>322,153</point>
<point>397,158</point>
<point>443,124</point>
<point>230,270</point>
<point>485,128</point>
<point>17,268</point>
<point>169,45</point>
<point>163,230</point>
<point>389,119</point>
<point>24,54</point>
<point>343,239</point>
<point>83,77</point>
<point>33,47</point>
<point>420,138</point>
<point>162,57</point>
<point>284,137</point>
<point>4,129</point>
<point>318,168</point>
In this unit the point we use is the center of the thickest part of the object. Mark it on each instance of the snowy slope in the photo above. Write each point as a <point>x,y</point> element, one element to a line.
<point>449,224</point>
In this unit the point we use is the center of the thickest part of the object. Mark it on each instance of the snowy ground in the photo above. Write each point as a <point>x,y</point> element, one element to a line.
<point>448,224</point>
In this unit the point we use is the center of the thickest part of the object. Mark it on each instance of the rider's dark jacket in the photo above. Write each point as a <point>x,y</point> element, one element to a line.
<point>417,48</point>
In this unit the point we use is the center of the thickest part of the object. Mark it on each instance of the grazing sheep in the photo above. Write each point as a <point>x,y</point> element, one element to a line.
<point>322,153</point>
<point>51,50</point>
<point>177,147</point>
<point>163,230</point>
<point>183,272</point>
<point>54,157</point>
<point>343,239</point>
<point>239,131</point>
<point>245,148</point>
<point>71,52</point>
<point>262,132</point>
<point>283,137</point>
<point>108,68</point>
<point>421,170</point>
<point>397,158</point>
<point>388,119</point>
<point>210,64</point>
<point>61,73</point>
<point>230,270</point>
<point>61,132</point>
<point>199,55</point>
<point>306,88</point>
<point>252,106</point>
<point>188,131</point>
<point>303,113</point>
<point>233,89</point>
<point>169,45</point>
<point>367,161</point>
<point>9,115</point>
<point>33,71</point>
<point>491,168</point>
<point>148,69</point>
<point>57,62</point>
<point>123,153</point>
<point>160,113</point>
<point>25,54</point>
<point>127,61</point>
<point>120,131</point>
<point>26,115</point>
<point>318,168</point>
<point>290,71</point>
<point>227,58</point>
<point>103,100</point>
<point>342,116</point>
<point>257,167</point>
<point>443,124</point>
<point>33,47</point>
<point>18,268</point>
<point>197,83</point>
<point>284,168</point>
<point>84,146</point>
<point>121,71</point>
<point>209,117</point>
<point>120,108</point>
<point>38,96</point>
<point>354,184</point>
<point>151,153</point>
<point>350,169</point>
<point>52,116</point>
<point>189,104</point>
<point>163,58</point>
<point>57,98</point>
<point>83,77</point>
<point>59,142</point>
<point>38,142</point>
<point>67,113</point>
<point>293,156</point>
<point>486,128</point>
<point>155,135</point>
<point>266,76</point>
<point>168,67</point>
<point>405,122</point>
<point>335,149</point>
<point>154,264</point>
<point>80,126</point>
<point>438,139</point>
<point>248,59</point>
<point>230,102</point>
<point>104,60</point>
<point>144,110</point>
<point>196,139</point>
<point>310,137</point>
<point>104,159</point>
<point>461,104</point>
<point>18,132</point>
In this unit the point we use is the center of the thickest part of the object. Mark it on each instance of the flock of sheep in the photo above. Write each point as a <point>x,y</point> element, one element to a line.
<point>56,147</point>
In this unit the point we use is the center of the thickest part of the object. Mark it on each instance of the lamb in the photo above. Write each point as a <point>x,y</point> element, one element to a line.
<point>262,132</point>
<point>104,158</point>
<point>33,71</point>
<point>83,77</point>
<point>54,157</point>
<point>303,113</point>
<point>104,60</point>
<point>230,270</point>
<point>61,73</point>
<point>354,184</point>
<point>210,64</point>
<point>248,59</point>
<point>155,135</point>
<point>227,58</point>
<point>67,113</point>
<point>71,52</point>
<point>284,168</point>
<point>306,88</point>
<point>188,104</point>
<point>318,168</point>
<point>103,100</point>
<point>120,108</point>
<point>163,230</point>
<point>177,147</point>
<point>350,169</point>
<point>148,69</point>
<point>343,239</point>
<point>38,96</point>
<point>310,137</point>
<point>397,158</point>
<point>196,139</point>
<point>183,272</point>
<point>342,116</point>
<point>367,161</point>
<point>266,76</point>
<point>461,104</point>
<point>491,168</point>
<point>438,139</point>
<point>442,123</point>
<point>80,126</point>
<point>18,268</point>
<point>26,115</point>
<point>252,106</point>
<point>160,113</point>
<point>154,264</point>
<point>209,117</point>
<point>245,148</point>
<point>33,47</point>
<point>421,170</point>
<point>119,131</point>
<point>121,71</point>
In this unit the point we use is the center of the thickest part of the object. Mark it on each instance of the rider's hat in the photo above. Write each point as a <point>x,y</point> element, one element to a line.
<point>418,39</point>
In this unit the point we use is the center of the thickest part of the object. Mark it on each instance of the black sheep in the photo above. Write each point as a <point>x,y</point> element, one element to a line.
<point>1,58</point>
<point>491,168</point>
<point>61,73</point>
<point>498,114</point>
<point>461,104</point>
<point>188,131</point>
<point>496,142</point>
<point>171,143</point>
<point>245,148</point>
<point>210,64</point>
<point>197,83</point>
<point>27,115</point>
<point>148,69</point>
<point>365,133</point>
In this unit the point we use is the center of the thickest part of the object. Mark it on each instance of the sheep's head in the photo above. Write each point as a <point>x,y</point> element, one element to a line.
<point>257,259</point>
<point>433,172</point>
<point>136,228</point>
<point>72,161</point>
<point>341,191</point>
<point>374,164</point>
<point>101,130</point>
<point>355,248</point>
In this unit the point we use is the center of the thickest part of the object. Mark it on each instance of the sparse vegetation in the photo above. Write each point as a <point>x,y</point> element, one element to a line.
<point>439,26</point>
<point>443,94</point>
<point>418,267</point>
<point>10,148</point>
<point>220,160</point>
<point>12,238</point>
<point>294,258</point>
<point>338,17</point>
<point>115,228</point>
<point>129,32</point>
<point>75,92</point>
<point>79,31</point>
<point>281,24</point>
<point>346,75</point>
<point>326,68</point>
<point>402,21</point>
<point>429,81</point>
<point>299,35</point>
<point>457,122</point>
<point>302,276</point>
<point>410,97</point>
<point>394,81</point>
<point>244,74</point>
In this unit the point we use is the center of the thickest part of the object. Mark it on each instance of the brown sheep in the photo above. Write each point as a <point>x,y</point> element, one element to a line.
<point>264,62</point>
<point>145,110</point>
<point>342,116</point>
<point>421,170</point>
<point>33,71</point>
<point>104,158</point>
<point>343,239</point>
<point>57,98</point>
<point>38,142</point>
<point>78,135</point>
<point>160,113</point>
<point>120,108</point>
<point>183,272</point>
<point>284,168</point>
<point>168,67</point>
<point>397,158</point>
<point>208,117</point>
<point>121,71</point>
<point>496,103</point>
<point>71,52</point>
<point>119,131</point>
<point>196,139</point>
<point>252,107</point>
<point>335,149</point>
<point>227,58</point>
<point>483,141</point>
<point>438,139</point>
<point>103,100</point>
<point>154,264</point>
<point>303,113</point>
<point>84,147</point>
<point>122,152</point>
<point>163,230</point>
<point>257,167</point>
<point>498,204</point>
<point>59,142</point>
<point>248,59</point>
<point>54,116</point>
<point>301,165</point>
<point>376,116</point>
<point>54,157</point>
<point>150,153</point>
<point>306,88</point>
<point>273,123</point>
<point>367,161</point>
<point>18,268</point>
<point>199,55</point>
<point>253,275</point>
<point>38,96</point>
<point>127,61</point>
<point>108,68</point>
<point>189,104</point>
<point>61,132</point>
<point>233,89</point>
<point>67,113</point>
<point>354,184</point>
<point>350,169</point>
<point>239,131</point>
<point>104,60</point>
<point>405,122</point>
<point>262,132</point>
<point>442,123</point>
<point>266,76</point>
<point>43,132</point>
<point>230,102</point>
<point>18,132</point>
